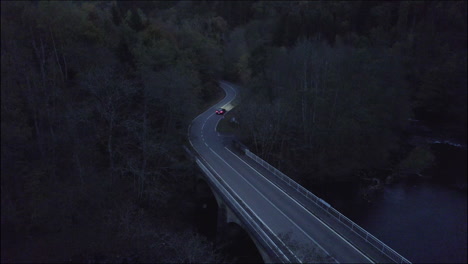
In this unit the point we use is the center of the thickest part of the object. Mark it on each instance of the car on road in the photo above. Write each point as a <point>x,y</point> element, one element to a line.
<point>220,111</point>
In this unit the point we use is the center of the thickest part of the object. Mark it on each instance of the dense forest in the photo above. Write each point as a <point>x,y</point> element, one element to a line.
<point>333,85</point>
<point>97,97</point>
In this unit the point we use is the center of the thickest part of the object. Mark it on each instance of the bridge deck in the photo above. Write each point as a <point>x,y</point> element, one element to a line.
<point>369,250</point>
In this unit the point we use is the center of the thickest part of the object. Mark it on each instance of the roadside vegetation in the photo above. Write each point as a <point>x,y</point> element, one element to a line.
<point>331,87</point>
<point>96,101</point>
<point>97,97</point>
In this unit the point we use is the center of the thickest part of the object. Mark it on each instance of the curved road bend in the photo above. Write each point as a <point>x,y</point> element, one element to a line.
<point>280,212</point>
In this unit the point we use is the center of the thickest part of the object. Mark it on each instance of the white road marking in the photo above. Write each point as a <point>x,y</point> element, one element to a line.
<point>227,193</point>
<point>190,126</point>
<point>217,122</point>
<point>191,143</point>
<point>204,123</point>
<point>268,200</point>
<point>341,237</point>
<point>235,93</point>
<point>254,213</point>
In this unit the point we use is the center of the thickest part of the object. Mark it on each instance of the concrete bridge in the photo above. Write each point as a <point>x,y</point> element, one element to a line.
<point>286,222</point>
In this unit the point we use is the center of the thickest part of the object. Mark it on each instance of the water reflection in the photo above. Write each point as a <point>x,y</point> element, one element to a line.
<point>425,222</point>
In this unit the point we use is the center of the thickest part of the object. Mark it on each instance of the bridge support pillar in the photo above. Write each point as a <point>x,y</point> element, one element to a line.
<point>225,217</point>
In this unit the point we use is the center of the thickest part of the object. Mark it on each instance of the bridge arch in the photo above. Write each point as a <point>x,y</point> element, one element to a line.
<point>221,223</point>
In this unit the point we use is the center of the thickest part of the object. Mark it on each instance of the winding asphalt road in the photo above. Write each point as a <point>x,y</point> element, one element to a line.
<point>277,210</point>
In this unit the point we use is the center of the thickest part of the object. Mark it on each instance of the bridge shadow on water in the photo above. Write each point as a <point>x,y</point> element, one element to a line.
<point>233,242</point>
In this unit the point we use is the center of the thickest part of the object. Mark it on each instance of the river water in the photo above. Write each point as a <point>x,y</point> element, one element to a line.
<point>423,219</point>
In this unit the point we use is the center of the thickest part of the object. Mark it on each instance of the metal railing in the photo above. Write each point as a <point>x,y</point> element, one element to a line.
<point>369,238</point>
<point>244,213</point>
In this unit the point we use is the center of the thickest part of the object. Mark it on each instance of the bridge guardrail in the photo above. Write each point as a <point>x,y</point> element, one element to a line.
<point>255,227</point>
<point>369,238</point>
